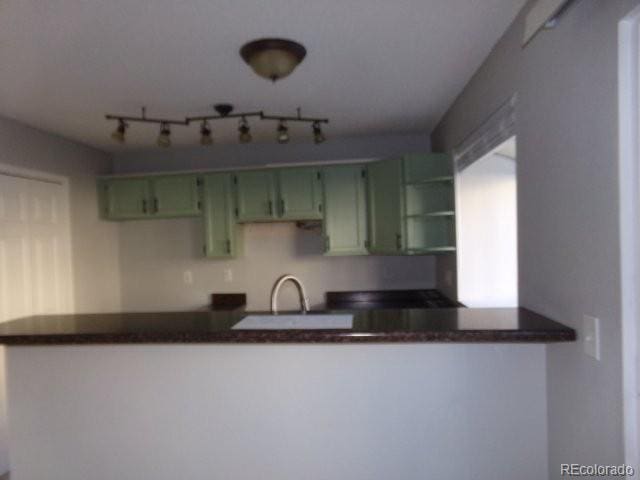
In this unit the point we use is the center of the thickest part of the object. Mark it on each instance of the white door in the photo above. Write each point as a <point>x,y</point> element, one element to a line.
<point>35,254</point>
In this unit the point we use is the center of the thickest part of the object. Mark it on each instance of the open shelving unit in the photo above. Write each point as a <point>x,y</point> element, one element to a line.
<point>429,205</point>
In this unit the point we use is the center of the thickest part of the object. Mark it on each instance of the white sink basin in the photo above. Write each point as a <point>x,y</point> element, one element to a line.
<point>295,322</point>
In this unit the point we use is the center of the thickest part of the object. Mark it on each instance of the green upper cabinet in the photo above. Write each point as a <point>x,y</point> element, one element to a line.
<point>150,197</point>
<point>221,236</point>
<point>345,210</point>
<point>126,198</point>
<point>255,196</point>
<point>176,196</point>
<point>411,205</point>
<point>300,194</point>
<point>385,206</point>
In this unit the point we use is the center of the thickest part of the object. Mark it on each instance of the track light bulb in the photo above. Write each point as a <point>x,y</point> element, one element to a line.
<point>244,131</point>
<point>118,134</point>
<point>283,132</point>
<point>205,134</point>
<point>164,139</point>
<point>318,136</point>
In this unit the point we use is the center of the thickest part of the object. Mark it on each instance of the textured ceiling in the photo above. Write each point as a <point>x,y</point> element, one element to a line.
<point>373,66</point>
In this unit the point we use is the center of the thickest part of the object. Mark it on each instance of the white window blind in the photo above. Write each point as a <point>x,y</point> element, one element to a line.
<point>497,129</point>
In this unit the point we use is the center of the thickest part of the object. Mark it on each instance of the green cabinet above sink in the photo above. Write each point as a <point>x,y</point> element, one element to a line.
<point>255,196</point>
<point>300,194</point>
<point>278,194</point>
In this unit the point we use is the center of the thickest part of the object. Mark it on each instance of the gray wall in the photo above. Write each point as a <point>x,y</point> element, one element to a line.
<point>94,242</point>
<point>155,255</point>
<point>236,155</point>
<point>566,80</point>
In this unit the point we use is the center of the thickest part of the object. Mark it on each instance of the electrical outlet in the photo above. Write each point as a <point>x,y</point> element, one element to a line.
<point>187,277</point>
<point>228,275</point>
<point>591,339</point>
<point>448,278</point>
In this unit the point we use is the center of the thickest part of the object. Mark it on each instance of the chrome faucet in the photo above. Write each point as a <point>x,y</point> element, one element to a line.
<point>304,301</point>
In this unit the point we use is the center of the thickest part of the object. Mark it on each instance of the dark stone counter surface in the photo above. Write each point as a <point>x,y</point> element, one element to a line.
<point>464,325</point>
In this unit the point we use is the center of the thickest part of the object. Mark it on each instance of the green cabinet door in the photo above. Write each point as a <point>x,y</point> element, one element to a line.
<point>126,198</point>
<point>345,210</point>
<point>175,196</point>
<point>255,196</point>
<point>219,222</point>
<point>300,194</point>
<point>385,207</point>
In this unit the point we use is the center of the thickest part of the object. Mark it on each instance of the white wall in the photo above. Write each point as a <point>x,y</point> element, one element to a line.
<point>286,412</point>
<point>486,229</point>
<point>154,255</point>
<point>566,80</point>
<point>94,242</point>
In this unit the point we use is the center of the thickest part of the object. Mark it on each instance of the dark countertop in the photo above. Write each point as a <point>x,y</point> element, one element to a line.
<point>464,325</point>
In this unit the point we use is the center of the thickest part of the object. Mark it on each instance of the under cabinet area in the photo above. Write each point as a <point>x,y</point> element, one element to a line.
<point>133,198</point>
<point>397,206</point>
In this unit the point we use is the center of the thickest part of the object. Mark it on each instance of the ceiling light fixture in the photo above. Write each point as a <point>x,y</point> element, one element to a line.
<point>118,134</point>
<point>223,111</point>
<point>283,132</point>
<point>244,135</point>
<point>205,134</point>
<point>318,136</point>
<point>164,138</point>
<point>273,58</point>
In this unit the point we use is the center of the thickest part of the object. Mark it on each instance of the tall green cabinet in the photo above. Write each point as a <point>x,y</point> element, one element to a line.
<point>345,210</point>
<point>220,228</point>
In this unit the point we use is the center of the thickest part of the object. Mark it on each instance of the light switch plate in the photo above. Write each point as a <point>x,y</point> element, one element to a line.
<point>187,277</point>
<point>591,338</point>
<point>228,275</point>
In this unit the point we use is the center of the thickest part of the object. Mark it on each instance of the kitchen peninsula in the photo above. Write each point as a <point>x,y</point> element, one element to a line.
<point>186,395</point>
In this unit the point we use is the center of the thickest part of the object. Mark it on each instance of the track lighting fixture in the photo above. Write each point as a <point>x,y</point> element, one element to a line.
<point>164,139</point>
<point>244,135</point>
<point>118,134</point>
<point>223,111</point>
<point>318,136</point>
<point>283,132</point>
<point>205,134</point>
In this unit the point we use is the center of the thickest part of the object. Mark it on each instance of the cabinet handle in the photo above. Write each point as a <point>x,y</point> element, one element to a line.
<point>283,205</point>
<point>228,246</point>
<point>156,205</point>
<point>398,241</point>
<point>144,206</point>
<point>270,207</point>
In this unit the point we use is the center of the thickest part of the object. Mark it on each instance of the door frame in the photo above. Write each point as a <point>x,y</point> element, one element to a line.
<point>629,224</point>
